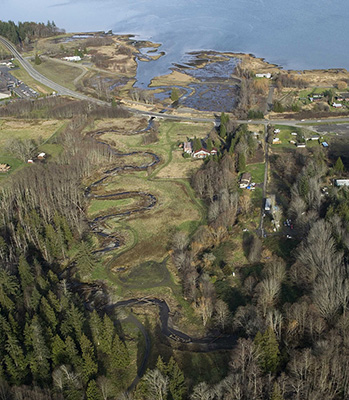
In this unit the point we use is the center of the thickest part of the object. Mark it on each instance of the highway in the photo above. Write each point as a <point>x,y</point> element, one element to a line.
<point>61,90</point>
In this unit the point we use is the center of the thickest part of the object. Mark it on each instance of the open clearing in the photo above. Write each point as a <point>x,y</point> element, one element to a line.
<point>176,208</point>
<point>59,72</point>
<point>38,130</point>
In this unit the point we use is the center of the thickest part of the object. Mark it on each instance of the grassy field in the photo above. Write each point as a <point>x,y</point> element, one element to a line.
<point>97,206</point>
<point>59,72</point>
<point>148,234</point>
<point>40,131</point>
<point>257,172</point>
<point>285,137</point>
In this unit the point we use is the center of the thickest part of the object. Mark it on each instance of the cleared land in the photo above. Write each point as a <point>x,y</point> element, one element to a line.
<point>177,208</point>
<point>41,131</point>
<point>59,72</point>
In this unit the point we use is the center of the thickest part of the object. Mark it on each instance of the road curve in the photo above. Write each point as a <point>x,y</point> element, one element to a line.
<point>67,92</point>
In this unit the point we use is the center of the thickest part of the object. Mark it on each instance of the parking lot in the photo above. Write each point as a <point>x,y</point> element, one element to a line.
<point>8,84</point>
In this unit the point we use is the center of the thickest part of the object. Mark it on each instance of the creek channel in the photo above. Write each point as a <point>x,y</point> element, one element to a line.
<point>96,292</point>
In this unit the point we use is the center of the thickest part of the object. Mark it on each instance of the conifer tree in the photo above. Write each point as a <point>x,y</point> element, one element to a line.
<point>58,351</point>
<point>25,273</point>
<point>107,335</point>
<point>268,347</point>
<point>276,394</point>
<point>89,365</point>
<point>119,354</point>
<point>176,377</point>
<point>93,392</point>
<point>339,166</point>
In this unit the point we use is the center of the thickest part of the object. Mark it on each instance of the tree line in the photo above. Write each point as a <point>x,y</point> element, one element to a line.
<point>24,32</point>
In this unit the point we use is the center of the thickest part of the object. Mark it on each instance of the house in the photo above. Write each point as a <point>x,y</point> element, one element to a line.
<point>276,140</point>
<point>245,180</point>
<point>201,153</point>
<point>341,182</point>
<point>72,58</point>
<point>4,167</point>
<point>314,138</point>
<point>325,144</point>
<point>292,142</point>
<point>300,144</point>
<point>41,156</point>
<point>188,147</point>
<point>30,162</point>
<point>337,105</point>
<point>294,133</point>
<point>276,131</point>
<point>267,75</point>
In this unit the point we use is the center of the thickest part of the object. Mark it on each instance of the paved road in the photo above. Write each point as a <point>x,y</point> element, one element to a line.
<point>67,92</point>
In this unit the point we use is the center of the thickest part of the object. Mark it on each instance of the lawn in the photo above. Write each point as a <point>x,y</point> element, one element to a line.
<point>32,129</point>
<point>58,72</point>
<point>27,129</point>
<point>154,227</point>
<point>257,172</point>
<point>177,207</point>
<point>285,137</point>
<point>97,205</point>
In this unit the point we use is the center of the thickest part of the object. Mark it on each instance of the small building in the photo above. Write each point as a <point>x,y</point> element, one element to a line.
<point>30,162</point>
<point>294,133</point>
<point>267,75</point>
<point>276,140</point>
<point>301,145</point>
<point>276,131</point>
<point>188,147</point>
<point>270,203</point>
<point>214,152</point>
<point>341,182</point>
<point>72,58</point>
<point>337,105</point>
<point>292,141</point>
<point>315,137</point>
<point>41,156</point>
<point>325,144</point>
<point>245,180</point>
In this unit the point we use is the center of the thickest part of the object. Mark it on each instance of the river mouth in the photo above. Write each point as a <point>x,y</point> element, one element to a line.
<point>211,85</point>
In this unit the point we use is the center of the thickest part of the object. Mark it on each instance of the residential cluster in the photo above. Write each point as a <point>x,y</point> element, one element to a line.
<point>9,85</point>
<point>198,148</point>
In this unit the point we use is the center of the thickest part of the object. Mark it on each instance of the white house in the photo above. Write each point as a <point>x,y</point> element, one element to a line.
<point>72,58</point>
<point>342,182</point>
<point>267,75</point>
<point>293,133</point>
<point>337,105</point>
<point>203,153</point>
<point>277,131</point>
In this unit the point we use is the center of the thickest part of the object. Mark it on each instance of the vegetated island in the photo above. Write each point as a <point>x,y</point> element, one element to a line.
<point>161,259</point>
